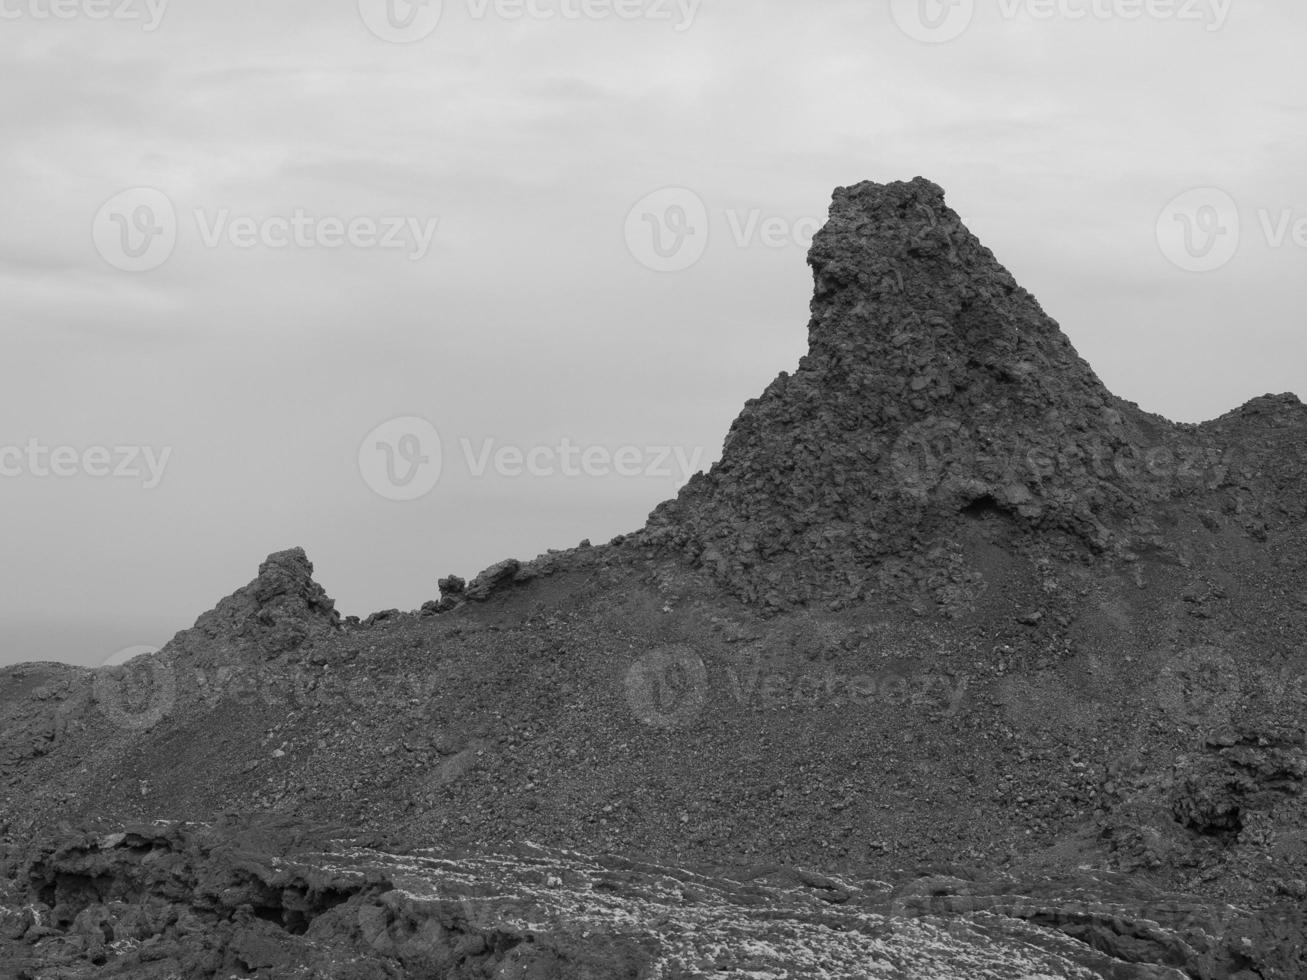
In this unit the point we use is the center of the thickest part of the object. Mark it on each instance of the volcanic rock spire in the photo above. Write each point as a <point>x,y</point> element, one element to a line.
<point>935,390</point>
<point>276,613</point>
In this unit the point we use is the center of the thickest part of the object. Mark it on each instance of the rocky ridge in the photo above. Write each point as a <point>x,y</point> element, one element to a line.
<point>948,617</point>
<point>934,386</point>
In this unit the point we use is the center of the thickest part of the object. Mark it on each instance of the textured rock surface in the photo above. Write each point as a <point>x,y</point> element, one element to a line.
<point>933,386</point>
<point>277,612</point>
<point>948,617</point>
<point>196,901</point>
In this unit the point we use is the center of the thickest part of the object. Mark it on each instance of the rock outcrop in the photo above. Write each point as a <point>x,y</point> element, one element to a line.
<point>935,389</point>
<point>196,902</point>
<point>276,613</point>
<point>1090,766</point>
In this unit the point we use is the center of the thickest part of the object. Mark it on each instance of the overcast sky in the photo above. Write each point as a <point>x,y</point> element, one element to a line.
<point>245,246</point>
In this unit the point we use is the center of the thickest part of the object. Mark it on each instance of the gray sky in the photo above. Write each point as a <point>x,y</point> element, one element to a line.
<point>252,356</point>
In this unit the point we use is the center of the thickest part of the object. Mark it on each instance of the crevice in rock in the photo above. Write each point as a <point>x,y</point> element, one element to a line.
<point>984,507</point>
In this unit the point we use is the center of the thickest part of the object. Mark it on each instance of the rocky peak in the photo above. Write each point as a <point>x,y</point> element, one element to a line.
<point>1272,410</point>
<point>906,296</point>
<point>275,613</point>
<point>935,391</point>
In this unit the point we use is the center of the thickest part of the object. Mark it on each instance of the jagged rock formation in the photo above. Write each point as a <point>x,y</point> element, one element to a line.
<point>197,901</point>
<point>934,386</point>
<point>276,613</point>
<point>947,616</point>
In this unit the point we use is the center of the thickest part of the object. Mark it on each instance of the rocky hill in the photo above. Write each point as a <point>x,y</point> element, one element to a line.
<point>935,387</point>
<point>955,665</point>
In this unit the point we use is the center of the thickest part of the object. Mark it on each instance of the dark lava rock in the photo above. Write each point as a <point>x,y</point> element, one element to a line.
<point>934,387</point>
<point>276,613</point>
<point>495,577</point>
<point>956,665</point>
<point>199,902</point>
